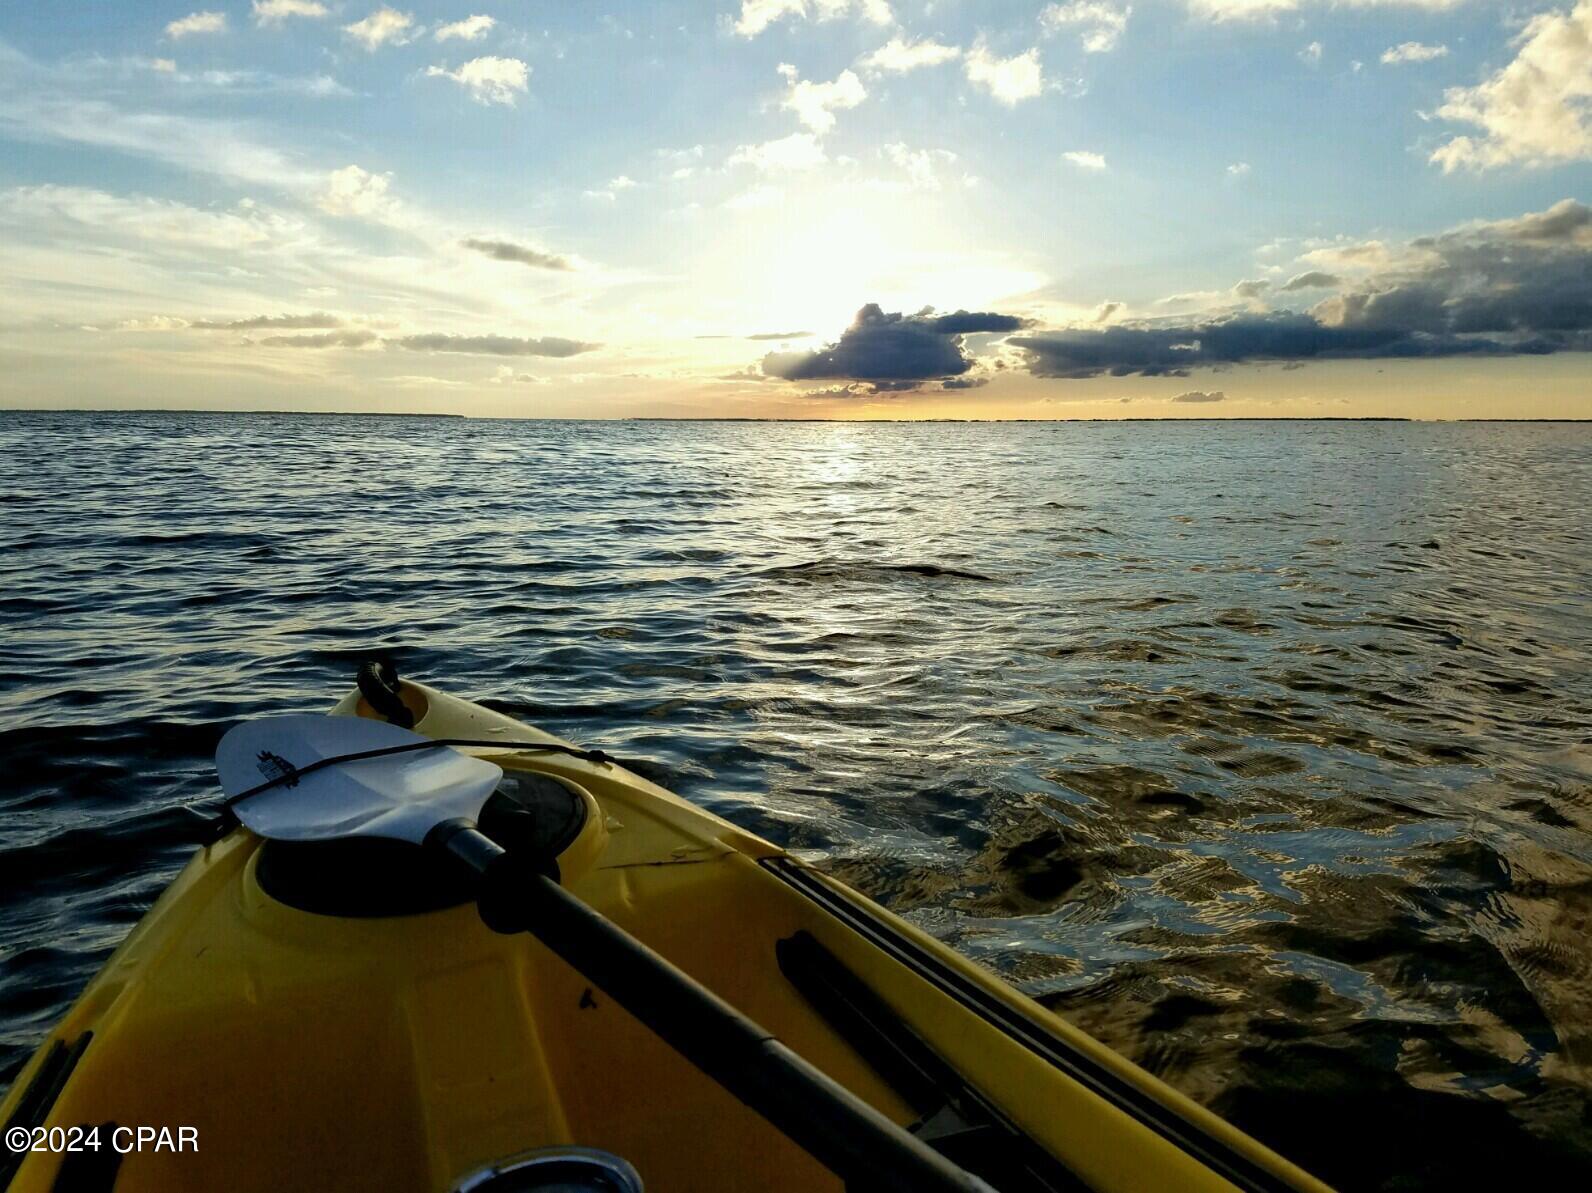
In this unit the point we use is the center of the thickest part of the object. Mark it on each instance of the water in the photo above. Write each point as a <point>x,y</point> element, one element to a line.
<point>1259,750</point>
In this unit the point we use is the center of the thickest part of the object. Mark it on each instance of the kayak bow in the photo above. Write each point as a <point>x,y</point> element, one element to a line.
<point>334,1014</point>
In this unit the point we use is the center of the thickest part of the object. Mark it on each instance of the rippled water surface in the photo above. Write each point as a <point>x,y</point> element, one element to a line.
<point>1259,750</point>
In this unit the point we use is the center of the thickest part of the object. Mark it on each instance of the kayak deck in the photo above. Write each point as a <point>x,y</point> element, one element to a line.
<point>402,1052</point>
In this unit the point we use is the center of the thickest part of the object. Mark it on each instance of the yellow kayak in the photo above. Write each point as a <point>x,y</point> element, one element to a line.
<point>279,1022</point>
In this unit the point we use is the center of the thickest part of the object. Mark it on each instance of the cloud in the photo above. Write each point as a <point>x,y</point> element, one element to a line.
<point>470,29</point>
<point>1315,279</point>
<point>900,55</point>
<point>892,348</point>
<point>489,80</point>
<point>799,151</point>
<point>758,15</point>
<point>357,192</point>
<point>1566,221</point>
<point>611,192</point>
<point>815,104</point>
<point>317,319</point>
<point>922,166</point>
<point>1265,10</point>
<point>1200,395</point>
<point>1100,23</point>
<point>330,339</point>
<point>1412,51</point>
<point>1511,287</point>
<point>505,375</point>
<point>1238,169</point>
<point>277,12</point>
<point>76,216</point>
<point>493,345</point>
<point>507,250</point>
<point>1252,289</point>
<point>382,27</point>
<point>1535,111</point>
<point>197,22</point>
<point>780,335</point>
<point>1311,54</point>
<point>1085,160</point>
<point>1008,80</point>
<point>484,345</point>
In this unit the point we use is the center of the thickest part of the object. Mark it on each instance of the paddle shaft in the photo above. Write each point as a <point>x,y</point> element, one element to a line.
<point>839,1129</point>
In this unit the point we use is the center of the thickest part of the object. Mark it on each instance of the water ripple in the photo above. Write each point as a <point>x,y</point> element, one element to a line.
<point>1261,751</point>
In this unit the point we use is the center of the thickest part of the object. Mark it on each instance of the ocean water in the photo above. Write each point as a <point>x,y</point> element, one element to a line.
<point>1260,750</point>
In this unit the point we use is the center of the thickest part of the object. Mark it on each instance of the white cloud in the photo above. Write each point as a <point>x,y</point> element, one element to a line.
<point>1534,111</point>
<point>470,29</point>
<point>164,65</point>
<point>276,12</point>
<point>1101,22</point>
<point>799,151</point>
<point>1413,51</point>
<point>357,192</point>
<point>1260,10</point>
<point>611,192</point>
<point>1311,54</point>
<point>1009,80</point>
<point>758,15</point>
<point>899,55</point>
<point>1085,160</point>
<point>815,104</point>
<point>197,22</point>
<point>1238,169</point>
<point>383,26</point>
<point>68,211</point>
<point>922,166</point>
<point>220,148</point>
<point>489,80</point>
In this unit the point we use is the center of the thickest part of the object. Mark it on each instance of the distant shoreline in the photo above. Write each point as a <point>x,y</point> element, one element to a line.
<point>710,419</point>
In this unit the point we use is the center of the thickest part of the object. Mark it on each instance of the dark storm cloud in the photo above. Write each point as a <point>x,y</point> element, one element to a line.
<point>1316,279</point>
<point>1513,287</point>
<point>507,250</point>
<point>1159,351</point>
<point>493,345</point>
<point>330,339</point>
<point>892,350</point>
<point>317,319</point>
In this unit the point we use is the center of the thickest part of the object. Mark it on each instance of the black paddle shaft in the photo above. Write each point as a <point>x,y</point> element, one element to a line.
<point>845,1134</point>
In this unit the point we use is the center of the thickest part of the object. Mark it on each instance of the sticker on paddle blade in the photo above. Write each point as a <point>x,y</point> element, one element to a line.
<point>399,796</point>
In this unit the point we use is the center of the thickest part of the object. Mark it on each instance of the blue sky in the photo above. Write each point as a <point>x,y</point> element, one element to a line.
<point>671,208</point>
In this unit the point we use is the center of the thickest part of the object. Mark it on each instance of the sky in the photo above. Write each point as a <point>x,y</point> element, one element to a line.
<point>800,208</point>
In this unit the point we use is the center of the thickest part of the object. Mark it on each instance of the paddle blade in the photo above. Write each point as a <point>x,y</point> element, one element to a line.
<point>400,797</point>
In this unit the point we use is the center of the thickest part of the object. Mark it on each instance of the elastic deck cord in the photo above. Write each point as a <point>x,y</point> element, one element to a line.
<point>291,774</point>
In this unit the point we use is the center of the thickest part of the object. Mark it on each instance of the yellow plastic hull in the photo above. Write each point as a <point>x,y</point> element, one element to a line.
<point>398,1054</point>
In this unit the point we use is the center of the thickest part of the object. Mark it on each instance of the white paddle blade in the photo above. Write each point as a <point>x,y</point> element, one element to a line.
<point>400,796</point>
